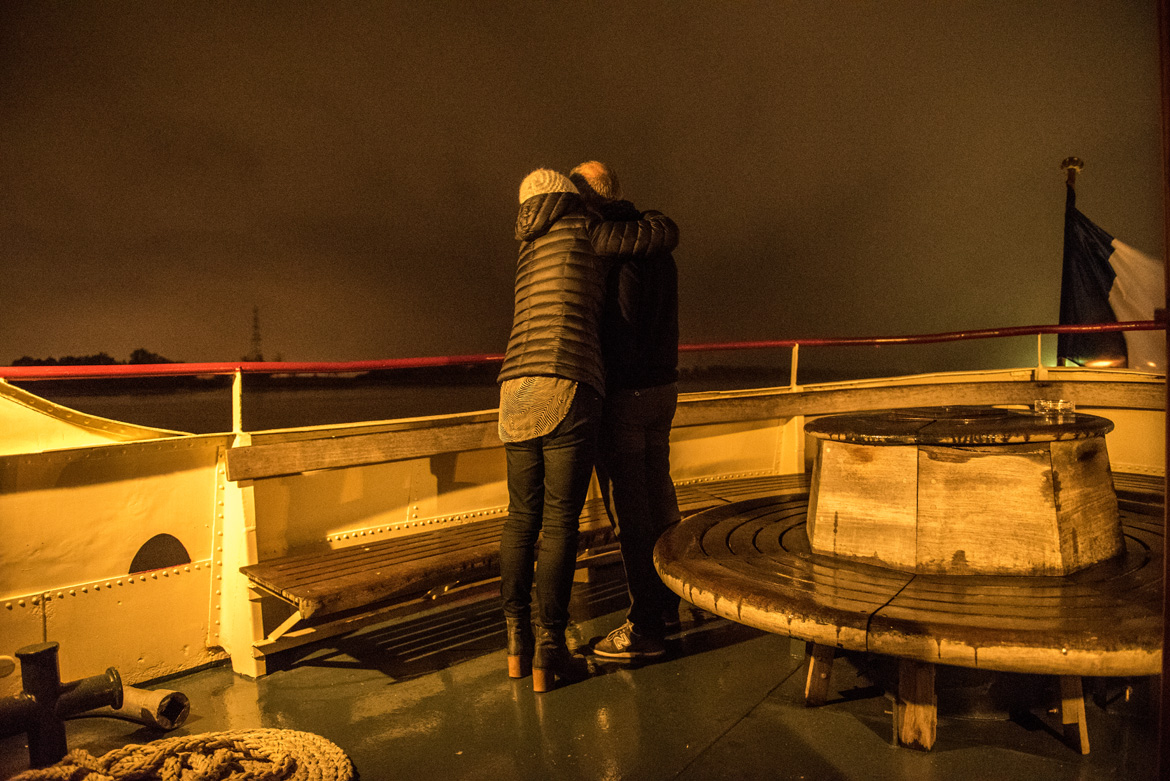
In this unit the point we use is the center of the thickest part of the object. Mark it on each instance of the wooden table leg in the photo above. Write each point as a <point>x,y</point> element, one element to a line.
<point>820,667</point>
<point>1072,712</point>
<point>916,707</point>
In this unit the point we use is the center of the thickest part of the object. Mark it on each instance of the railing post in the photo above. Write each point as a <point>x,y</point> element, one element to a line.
<point>238,402</point>
<point>1041,371</point>
<point>237,616</point>
<point>795,360</point>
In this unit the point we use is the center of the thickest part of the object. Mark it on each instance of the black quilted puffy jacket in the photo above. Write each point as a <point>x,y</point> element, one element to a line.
<point>566,253</point>
<point>639,331</point>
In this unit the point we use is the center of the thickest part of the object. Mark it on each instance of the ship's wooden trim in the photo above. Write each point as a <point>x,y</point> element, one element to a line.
<point>700,409</point>
<point>289,458</point>
<point>278,454</point>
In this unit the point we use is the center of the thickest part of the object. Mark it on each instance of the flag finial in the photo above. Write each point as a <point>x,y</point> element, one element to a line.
<point>1071,166</point>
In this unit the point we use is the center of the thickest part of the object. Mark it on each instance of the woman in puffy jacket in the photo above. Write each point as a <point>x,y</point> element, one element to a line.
<point>551,386</point>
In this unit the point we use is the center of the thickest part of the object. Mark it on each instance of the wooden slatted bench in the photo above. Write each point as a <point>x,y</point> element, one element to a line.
<point>339,590</point>
<point>966,496</point>
<point>750,561</point>
<point>973,536</point>
<point>336,590</point>
<point>340,580</point>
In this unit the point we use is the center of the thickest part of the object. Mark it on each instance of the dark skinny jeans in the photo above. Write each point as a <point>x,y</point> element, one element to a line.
<point>548,478</point>
<point>634,472</point>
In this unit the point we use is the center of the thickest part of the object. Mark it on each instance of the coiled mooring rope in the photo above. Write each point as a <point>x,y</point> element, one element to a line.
<point>238,755</point>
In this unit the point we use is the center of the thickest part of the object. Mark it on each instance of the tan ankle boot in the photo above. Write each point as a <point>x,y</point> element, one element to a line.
<point>521,645</point>
<point>553,661</point>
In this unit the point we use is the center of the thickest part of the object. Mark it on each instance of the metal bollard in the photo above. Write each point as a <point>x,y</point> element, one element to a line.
<point>41,709</point>
<point>158,708</point>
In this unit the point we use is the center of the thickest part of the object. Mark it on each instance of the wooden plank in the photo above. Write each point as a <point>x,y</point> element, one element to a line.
<point>698,495</point>
<point>820,669</point>
<point>814,493</point>
<point>1106,623</point>
<point>343,579</point>
<point>293,455</point>
<point>916,706</point>
<point>701,409</point>
<point>1072,713</point>
<point>867,503</point>
<point>288,458</point>
<point>734,561</point>
<point>987,510</point>
<point>341,583</point>
<point>1140,486</point>
<point>331,626</point>
<point>303,568</point>
<point>955,425</point>
<point>1086,505</point>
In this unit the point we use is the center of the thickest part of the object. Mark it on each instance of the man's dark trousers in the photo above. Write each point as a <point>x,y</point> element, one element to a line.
<point>634,472</point>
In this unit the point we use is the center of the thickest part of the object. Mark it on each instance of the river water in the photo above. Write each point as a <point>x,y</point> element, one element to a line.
<point>209,410</point>
<point>204,410</point>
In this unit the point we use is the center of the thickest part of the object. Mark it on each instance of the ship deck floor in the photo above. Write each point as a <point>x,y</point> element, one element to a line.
<point>428,697</point>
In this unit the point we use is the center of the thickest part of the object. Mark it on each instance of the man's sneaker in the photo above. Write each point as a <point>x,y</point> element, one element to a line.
<point>625,643</point>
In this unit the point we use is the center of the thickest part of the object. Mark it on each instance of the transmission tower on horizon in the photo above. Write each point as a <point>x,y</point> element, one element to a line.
<point>256,353</point>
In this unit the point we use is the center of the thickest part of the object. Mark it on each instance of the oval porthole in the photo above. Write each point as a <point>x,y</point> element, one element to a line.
<point>161,550</point>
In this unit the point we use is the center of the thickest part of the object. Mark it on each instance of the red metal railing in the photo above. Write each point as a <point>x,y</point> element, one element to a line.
<point>29,373</point>
<point>951,336</point>
<point>233,367</point>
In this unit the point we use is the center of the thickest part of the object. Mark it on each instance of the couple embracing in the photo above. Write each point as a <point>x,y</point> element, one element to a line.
<point>589,379</point>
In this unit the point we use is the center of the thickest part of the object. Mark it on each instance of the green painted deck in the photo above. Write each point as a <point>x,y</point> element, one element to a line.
<point>429,698</point>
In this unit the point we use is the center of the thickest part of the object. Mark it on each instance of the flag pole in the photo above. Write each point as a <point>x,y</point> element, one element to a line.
<point>1072,166</point>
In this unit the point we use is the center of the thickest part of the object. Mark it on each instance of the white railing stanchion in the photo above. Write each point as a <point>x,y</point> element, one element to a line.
<point>792,372</point>
<point>238,402</point>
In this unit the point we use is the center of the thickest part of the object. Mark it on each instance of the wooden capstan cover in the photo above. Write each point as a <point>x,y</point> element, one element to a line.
<point>964,491</point>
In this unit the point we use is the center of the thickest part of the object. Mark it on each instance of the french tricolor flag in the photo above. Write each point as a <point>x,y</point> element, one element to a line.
<point>1107,281</point>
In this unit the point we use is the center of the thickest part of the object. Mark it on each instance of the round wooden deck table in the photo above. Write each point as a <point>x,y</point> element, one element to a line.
<point>970,536</point>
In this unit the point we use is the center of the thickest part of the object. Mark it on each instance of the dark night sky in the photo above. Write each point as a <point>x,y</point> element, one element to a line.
<point>853,168</point>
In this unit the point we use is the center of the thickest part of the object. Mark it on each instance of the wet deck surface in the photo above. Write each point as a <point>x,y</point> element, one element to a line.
<point>429,698</point>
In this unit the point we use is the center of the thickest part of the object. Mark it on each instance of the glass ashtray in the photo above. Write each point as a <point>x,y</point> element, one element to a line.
<point>1054,410</point>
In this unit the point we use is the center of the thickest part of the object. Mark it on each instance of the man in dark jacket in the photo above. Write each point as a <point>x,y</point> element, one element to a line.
<point>640,350</point>
<point>552,384</point>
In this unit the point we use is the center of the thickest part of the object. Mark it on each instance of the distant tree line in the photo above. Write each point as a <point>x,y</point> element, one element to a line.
<point>140,355</point>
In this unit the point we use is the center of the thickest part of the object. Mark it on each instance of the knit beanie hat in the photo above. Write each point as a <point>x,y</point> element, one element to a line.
<point>544,180</point>
<point>599,178</point>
